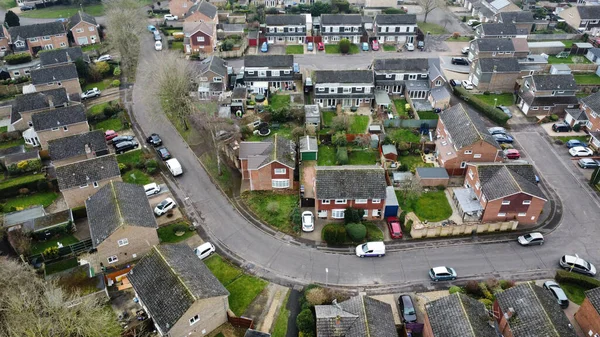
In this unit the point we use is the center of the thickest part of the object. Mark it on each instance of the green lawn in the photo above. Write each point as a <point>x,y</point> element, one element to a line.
<point>428,115</point>
<point>63,12</point>
<point>460,39</point>
<point>7,4</point>
<point>166,234</point>
<point>581,94</point>
<point>24,201</point>
<point>131,157</point>
<point>358,124</point>
<point>328,117</point>
<point>224,271</point>
<point>225,180</point>
<point>99,108</point>
<point>11,143</point>
<point>565,139</point>
<point>283,131</point>
<point>335,49</point>
<point>574,292</point>
<point>587,78</point>
<point>91,47</point>
<point>552,59</point>
<point>389,47</point>
<point>279,101</point>
<point>177,45</point>
<point>297,49</point>
<point>281,324</point>
<point>38,247</point>
<point>374,233</point>
<point>413,161</point>
<point>400,105</point>
<point>272,208</point>
<point>63,265</point>
<point>20,180</point>
<point>359,157</point>
<point>326,155</point>
<point>503,99</point>
<point>100,85</point>
<point>110,124</point>
<point>404,135</point>
<point>432,28</point>
<point>431,206</point>
<point>3,129</point>
<point>136,176</point>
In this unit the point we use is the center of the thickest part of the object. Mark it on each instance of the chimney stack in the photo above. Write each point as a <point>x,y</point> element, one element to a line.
<point>89,154</point>
<point>50,102</point>
<point>495,68</point>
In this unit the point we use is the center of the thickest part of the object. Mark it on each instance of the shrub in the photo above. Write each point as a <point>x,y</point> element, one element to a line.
<point>50,252</point>
<point>180,227</point>
<point>23,191</point>
<point>487,93</point>
<point>403,168</point>
<point>12,187</point>
<point>17,58</point>
<point>334,234</point>
<point>25,166</point>
<point>553,117</point>
<point>79,212</point>
<point>491,283</point>
<point>340,123</point>
<point>140,165</point>
<point>408,226</point>
<point>296,216</point>
<point>464,19</point>
<point>472,288</point>
<point>506,284</point>
<point>306,321</point>
<point>402,217</point>
<point>115,83</point>
<point>456,289</point>
<point>577,127</point>
<point>117,71</point>
<point>356,231</point>
<point>42,186</point>
<point>341,156</point>
<point>577,279</point>
<point>151,166</point>
<point>102,67</point>
<point>339,139</point>
<point>353,215</point>
<point>272,207</point>
<point>316,296</point>
<point>487,110</point>
<point>122,167</point>
<point>487,303</point>
<point>486,292</point>
<point>344,46</point>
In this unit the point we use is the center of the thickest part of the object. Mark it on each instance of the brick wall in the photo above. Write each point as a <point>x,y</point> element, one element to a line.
<point>369,206</point>
<point>76,196</point>
<point>72,86</point>
<point>427,331</point>
<point>595,121</point>
<point>56,41</point>
<point>588,318</point>
<point>91,35</point>
<point>212,312</point>
<point>74,129</point>
<point>261,179</point>
<point>141,240</point>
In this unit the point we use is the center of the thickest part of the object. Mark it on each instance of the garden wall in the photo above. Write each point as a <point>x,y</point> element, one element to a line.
<point>577,67</point>
<point>420,230</point>
<point>548,37</point>
<point>410,123</point>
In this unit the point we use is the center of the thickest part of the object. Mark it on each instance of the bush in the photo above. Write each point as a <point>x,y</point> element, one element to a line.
<point>403,168</point>
<point>577,279</point>
<point>456,289</point>
<point>344,46</point>
<point>553,118</point>
<point>306,321</point>
<point>577,127</point>
<point>339,139</point>
<point>151,166</point>
<point>356,231</point>
<point>487,93</point>
<point>472,288</point>
<point>296,216</point>
<point>341,156</point>
<point>17,58</point>
<point>272,207</point>
<point>12,187</point>
<point>316,296</point>
<point>485,109</point>
<point>42,186</point>
<point>115,83</point>
<point>334,234</point>
<point>353,215</point>
<point>486,292</point>
<point>180,227</point>
<point>102,67</point>
<point>506,284</point>
<point>408,226</point>
<point>24,166</point>
<point>117,71</point>
<point>122,167</point>
<point>487,303</point>
<point>492,283</point>
<point>50,252</point>
<point>79,212</point>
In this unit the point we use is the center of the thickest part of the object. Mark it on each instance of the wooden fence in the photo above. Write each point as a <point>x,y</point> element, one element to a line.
<point>240,322</point>
<point>553,37</point>
<point>228,54</point>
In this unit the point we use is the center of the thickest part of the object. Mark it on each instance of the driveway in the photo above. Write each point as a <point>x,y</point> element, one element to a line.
<point>446,63</point>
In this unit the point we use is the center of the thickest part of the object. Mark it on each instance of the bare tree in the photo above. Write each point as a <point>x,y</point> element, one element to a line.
<point>428,6</point>
<point>411,188</point>
<point>32,307</point>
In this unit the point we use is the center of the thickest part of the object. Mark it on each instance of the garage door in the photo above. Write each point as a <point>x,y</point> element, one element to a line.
<point>82,40</point>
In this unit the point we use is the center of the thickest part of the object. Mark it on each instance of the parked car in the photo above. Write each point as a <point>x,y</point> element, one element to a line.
<point>264,47</point>
<point>125,146</point>
<point>90,93</point>
<point>394,226</point>
<point>152,189</point>
<point>407,309</point>
<point>164,206</point>
<point>472,22</point>
<point>577,264</point>
<point>497,130</point>
<point>588,163</point>
<point>375,45</point>
<point>365,46</point>
<point>561,127</point>
<point>174,167</point>
<point>580,151</point>
<point>558,293</point>
<point>512,154</point>
<point>420,44</point>
<point>158,46</point>
<point>26,8</point>
<point>505,110</point>
<point>151,28</point>
<point>163,153</point>
<point>461,61</point>
<point>310,46</point>
<point>442,274</point>
<point>154,139</point>
<point>575,142</point>
<point>467,84</point>
<point>204,250</point>
<point>410,46</point>
<point>104,58</point>
<point>171,17</point>
<point>120,139</point>
<point>320,46</point>
<point>531,239</point>
<point>157,36</point>
<point>465,50</point>
<point>503,138</point>
<point>110,135</point>
<point>308,221</point>
<point>375,248</point>
<point>296,68</point>
<point>455,83</point>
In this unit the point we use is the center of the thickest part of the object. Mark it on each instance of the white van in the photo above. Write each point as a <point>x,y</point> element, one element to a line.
<point>174,166</point>
<point>375,248</point>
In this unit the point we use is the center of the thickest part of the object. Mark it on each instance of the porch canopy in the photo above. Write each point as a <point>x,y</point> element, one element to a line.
<point>382,98</point>
<point>467,200</point>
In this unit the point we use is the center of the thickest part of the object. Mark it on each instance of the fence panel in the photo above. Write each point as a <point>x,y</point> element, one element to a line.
<point>550,37</point>
<point>410,123</point>
<point>240,322</point>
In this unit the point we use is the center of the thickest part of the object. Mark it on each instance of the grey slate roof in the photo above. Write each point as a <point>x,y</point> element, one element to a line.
<point>499,29</point>
<point>554,82</point>
<point>271,61</point>
<point>534,307</point>
<point>54,74</point>
<point>63,55</point>
<point>593,296</point>
<point>308,144</point>
<point>203,7</point>
<point>401,64</point>
<point>87,171</point>
<point>37,30</point>
<point>37,101</point>
<point>117,204</point>
<point>350,182</point>
<point>239,93</point>
<point>517,17</point>
<point>58,117</point>
<point>214,64</point>
<point>432,173</point>
<point>284,20</point>
<point>458,315</point>
<point>500,65</point>
<point>577,114</point>
<point>343,76</point>
<point>594,51</point>
<point>389,149</point>
<point>20,156</point>
<point>592,101</point>
<point>341,19</point>
<point>277,148</point>
<point>254,333</point>
<point>465,127</point>
<point>67,147</point>
<point>233,27</point>
<point>501,180</point>
<point>495,44</point>
<point>396,19</point>
<point>440,93</point>
<point>552,100</point>
<point>81,16</point>
<point>312,114</point>
<point>169,279</point>
<point>589,12</point>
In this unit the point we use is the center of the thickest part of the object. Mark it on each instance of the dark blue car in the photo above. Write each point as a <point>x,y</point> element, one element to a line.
<point>575,142</point>
<point>503,139</point>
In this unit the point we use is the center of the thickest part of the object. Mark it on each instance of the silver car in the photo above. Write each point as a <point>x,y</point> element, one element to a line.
<point>577,264</point>
<point>308,221</point>
<point>558,293</point>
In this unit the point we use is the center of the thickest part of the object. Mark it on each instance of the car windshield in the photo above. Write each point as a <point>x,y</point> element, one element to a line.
<point>527,237</point>
<point>585,264</point>
<point>364,248</point>
<point>409,311</point>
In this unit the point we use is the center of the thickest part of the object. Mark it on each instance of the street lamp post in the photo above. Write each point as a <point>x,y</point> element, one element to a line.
<point>326,276</point>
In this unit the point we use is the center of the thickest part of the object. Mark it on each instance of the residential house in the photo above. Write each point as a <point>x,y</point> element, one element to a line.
<point>495,74</point>
<point>63,56</point>
<point>591,106</point>
<point>179,292</point>
<point>199,37</point>
<point>499,30</point>
<point>84,29</point>
<point>213,77</point>
<point>457,315</point>
<point>55,77</point>
<point>461,138</point>
<point>283,29</point>
<point>268,165</point>
<point>180,7</point>
<point>357,317</point>
<point>262,72</point>
<point>395,28</point>
<point>79,147</point>
<point>526,305</point>
<point>521,19</point>
<point>202,11</point>
<point>348,88</point>
<point>27,104</point>
<point>33,38</point>
<point>409,77</point>
<point>588,314</point>
<point>4,40</point>
<point>487,9</point>
<point>576,116</point>
<point>19,70</point>
<point>497,48</point>
<point>335,27</point>
<point>122,224</point>
<point>358,186</point>
<point>585,19</point>
<point>57,123</point>
<point>547,94</point>
<point>439,97</point>
<point>80,180</point>
<point>593,54</point>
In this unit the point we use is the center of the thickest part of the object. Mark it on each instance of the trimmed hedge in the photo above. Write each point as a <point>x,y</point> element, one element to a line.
<point>17,58</point>
<point>577,279</point>
<point>356,231</point>
<point>334,234</point>
<point>11,187</point>
<point>485,109</point>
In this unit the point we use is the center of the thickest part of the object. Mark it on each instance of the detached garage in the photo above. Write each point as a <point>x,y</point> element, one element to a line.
<point>432,176</point>
<point>308,148</point>
<point>391,203</point>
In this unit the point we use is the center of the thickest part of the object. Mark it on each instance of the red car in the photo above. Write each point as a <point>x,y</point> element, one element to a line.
<point>375,45</point>
<point>512,154</point>
<point>110,134</point>
<point>320,46</point>
<point>394,227</point>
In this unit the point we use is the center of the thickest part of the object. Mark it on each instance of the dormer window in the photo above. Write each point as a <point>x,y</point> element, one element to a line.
<point>20,44</point>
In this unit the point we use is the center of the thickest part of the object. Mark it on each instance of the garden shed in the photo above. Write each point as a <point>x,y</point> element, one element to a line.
<point>36,220</point>
<point>432,176</point>
<point>389,152</point>
<point>399,177</point>
<point>391,202</point>
<point>308,148</point>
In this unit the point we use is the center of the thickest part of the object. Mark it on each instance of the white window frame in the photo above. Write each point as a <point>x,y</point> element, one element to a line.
<point>468,152</point>
<point>79,30</point>
<point>522,214</point>
<point>463,164</point>
<point>470,173</point>
<point>65,128</point>
<point>505,202</point>
<point>194,319</point>
<point>280,183</point>
<point>477,155</point>
<point>325,201</point>
<point>95,184</point>
<point>332,90</point>
<point>217,79</point>
<point>46,38</point>
<point>341,201</point>
<point>477,185</point>
<point>501,214</point>
<point>526,202</point>
<point>83,186</point>
<point>275,73</point>
<point>20,44</point>
<point>199,38</point>
<point>62,44</point>
<point>376,213</point>
<point>33,39</point>
<point>347,90</point>
<point>112,259</point>
<point>123,242</point>
<point>91,28</point>
<point>337,213</point>
<point>262,73</point>
<point>360,201</point>
<point>376,201</point>
<point>280,171</point>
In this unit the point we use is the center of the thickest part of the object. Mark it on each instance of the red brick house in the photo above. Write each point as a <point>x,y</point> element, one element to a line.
<point>84,29</point>
<point>588,315</point>
<point>268,165</point>
<point>180,7</point>
<point>506,192</point>
<point>461,138</point>
<point>202,11</point>
<point>457,315</point>
<point>33,38</point>
<point>200,37</point>
<point>357,186</point>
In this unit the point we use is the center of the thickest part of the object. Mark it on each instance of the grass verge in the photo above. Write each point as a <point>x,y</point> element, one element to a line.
<point>387,47</point>
<point>38,247</point>
<point>293,50</point>
<point>281,324</point>
<point>335,49</point>
<point>499,99</point>
<point>432,28</point>
<point>272,208</point>
<point>431,206</point>
<point>66,12</point>
<point>565,139</point>
<point>25,201</point>
<point>166,234</point>
<point>374,233</point>
<point>225,180</point>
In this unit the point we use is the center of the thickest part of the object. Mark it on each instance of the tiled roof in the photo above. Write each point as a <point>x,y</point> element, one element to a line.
<point>536,312</point>
<point>589,12</point>
<point>270,61</point>
<point>215,64</point>
<point>277,148</point>
<point>203,7</point>
<point>81,16</point>
<point>401,64</point>
<point>440,93</point>
<point>501,180</point>
<point>577,114</point>
<point>171,278</point>
<point>37,101</point>
<point>87,171</point>
<point>58,117</point>
<point>254,333</point>
<point>341,19</point>
<point>593,296</point>
<point>592,101</point>
<point>494,44</point>
<point>554,82</point>
<point>278,20</point>
<point>193,27</point>
<point>458,315</point>
<point>432,173</point>
<point>343,76</point>
<point>350,182</point>
<point>552,100</point>
<point>396,19</point>
<point>516,17</point>
<point>54,74</point>
<point>499,65</point>
<point>499,29</point>
<point>465,127</point>
<point>308,144</point>
<point>37,30</point>
<point>63,55</point>
<point>67,147</point>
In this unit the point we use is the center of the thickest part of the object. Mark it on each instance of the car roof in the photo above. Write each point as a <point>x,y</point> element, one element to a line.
<point>578,148</point>
<point>204,246</point>
<point>512,151</point>
<point>376,245</point>
<point>150,185</point>
<point>572,259</point>
<point>551,283</point>
<point>406,299</point>
<point>536,235</point>
<point>439,270</point>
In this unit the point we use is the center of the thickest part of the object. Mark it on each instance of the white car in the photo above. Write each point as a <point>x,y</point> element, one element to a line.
<point>91,93</point>
<point>410,46</point>
<point>152,189</point>
<point>308,221</point>
<point>467,84</point>
<point>580,151</point>
<point>531,239</point>
<point>164,206</point>
<point>170,17</point>
<point>465,50</point>
<point>204,250</point>
<point>157,45</point>
<point>104,58</point>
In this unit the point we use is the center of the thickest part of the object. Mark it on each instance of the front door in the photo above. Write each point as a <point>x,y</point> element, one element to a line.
<point>347,102</point>
<point>93,39</point>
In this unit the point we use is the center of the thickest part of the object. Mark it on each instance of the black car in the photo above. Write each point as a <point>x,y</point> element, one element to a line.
<point>163,153</point>
<point>120,139</point>
<point>154,139</point>
<point>561,127</point>
<point>455,83</point>
<point>407,309</point>
<point>460,61</point>
<point>126,146</point>
<point>503,138</point>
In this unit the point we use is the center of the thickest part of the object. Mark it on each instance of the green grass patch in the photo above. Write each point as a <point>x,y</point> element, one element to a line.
<point>19,180</point>
<point>110,124</point>
<point>565,139</point>
<point>225,179</point>
<point>283,131</point>
<point>293,50</point>
<point>3,129</point>
<point>7,4</point>
<point>360,157</point>
<point>581,94</point>
<point>431,206</point>
<point>100,85</point>
<point>374,233</point>
<point>328,117</point>
<point>91,47</point>
<point>358,124</point>
<point>326,155</point>
<point>11,143</point>
<point>25,201</point>
<point>502,99</point>
<point>38,247</point>
<point>552,59</point>
<point>177,45</point>
<point>413,161</point>
<point>335,49</point>
<point>66,12</point>
<point>389,47</point>
<point>279,101</point>
<point>281,324</point>
<point>428,115</point>
<point>432,28</point>
<point>99,108</point>
<point>403,135</point>
<point>243,291</point>
<point>224,271</point>
<point>166,234</point>
<point>272,208</point>
<point>136,176</point>
<point>590,78</point>
<point>460,39</point>
<point>400,105</point>
<point>575,293</point>
<point>131,157</point>
<point>63,265</point>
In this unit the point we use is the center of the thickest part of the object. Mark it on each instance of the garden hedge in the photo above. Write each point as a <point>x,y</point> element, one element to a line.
<point>485,109</point>
<point>17,58</point>
<point>10,188</point>
<point>334,234</point>
<point>577,279</point>
<point>356,231</point>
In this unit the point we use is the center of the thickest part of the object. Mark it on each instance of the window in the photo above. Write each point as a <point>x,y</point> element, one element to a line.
<point>91,28</point>
<point>546,108</point>
<point>526,202</point>
<point>501,214</point>
<point>468,152</point>
<point>123,242</point>
<point>347,90</point>
<point>79,30</point>
<point>274,72</point>
<point>325,201</point>
<point>360,201</point>
<point>16,73</point>
<point>194,319</point>
<point>388,75</point>
<point>95,184</point>
<point>46,38</point>
<point>250,72</point>
<point>33,39</point>
<point>359,88</point>
<point>20,44</point>
<point>477,185</point>
<point>340,201</point>
<point>522,214</point>
<point>217,79</point>
<point>62,44</point>
<point>505,202</point>
<point>200,38</point>
<point>286,72</point>
<point>83,186</point>
<point>30,123</point>
<point>65,128</point>
<point>321,89</point>
<point>376,201</point>
<point>438,83</point>
<point>376,213</point>
<point>113,259</point>
<point>463,164</point>
<point>280,171</point>
<point>412,77</point>
<point>337,213</point>
<point>54,129</point>
<point>534,108</point>
<point>332,90</point>
<point>262,73</point>
<point>367,90</point>
<point>280,183</point>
